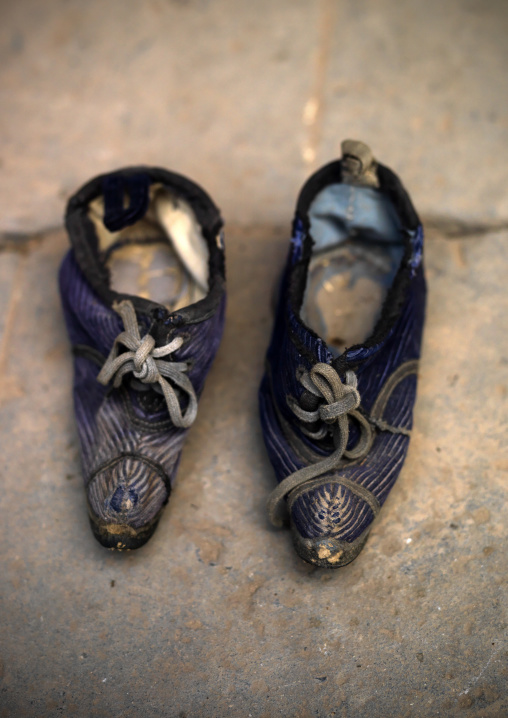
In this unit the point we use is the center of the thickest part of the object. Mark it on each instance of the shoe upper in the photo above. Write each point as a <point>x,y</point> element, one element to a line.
<point>337,435</point>
<point>130,439</point>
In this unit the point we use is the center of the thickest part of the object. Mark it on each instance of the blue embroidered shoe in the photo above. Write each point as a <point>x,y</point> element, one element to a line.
<point>337,397</point>
<point>143,293</point>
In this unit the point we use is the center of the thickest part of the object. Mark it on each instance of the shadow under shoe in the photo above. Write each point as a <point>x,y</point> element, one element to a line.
<point>329,523</point>
<point>125,501</point>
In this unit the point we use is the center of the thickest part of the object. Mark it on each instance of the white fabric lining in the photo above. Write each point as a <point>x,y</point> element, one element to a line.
<point>163,257</point>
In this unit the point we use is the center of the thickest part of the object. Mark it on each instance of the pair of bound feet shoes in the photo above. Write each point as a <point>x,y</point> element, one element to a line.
<point>143,293</point>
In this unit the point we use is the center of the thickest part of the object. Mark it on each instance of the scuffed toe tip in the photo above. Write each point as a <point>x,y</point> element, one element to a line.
<point>122,537</point>
<point>330,521</point>
<point>328,552</point>
<point>125,502</point>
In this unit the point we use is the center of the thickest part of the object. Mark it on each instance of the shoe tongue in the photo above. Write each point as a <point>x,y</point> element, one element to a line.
<point>185,235</point>
<point>358,164</point>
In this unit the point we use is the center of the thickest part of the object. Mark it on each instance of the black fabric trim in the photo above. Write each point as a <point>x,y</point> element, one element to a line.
<point>85,244</point>
<point>390,185</point>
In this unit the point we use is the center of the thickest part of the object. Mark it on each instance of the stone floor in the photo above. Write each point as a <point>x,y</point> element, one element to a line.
<point>216,616</point>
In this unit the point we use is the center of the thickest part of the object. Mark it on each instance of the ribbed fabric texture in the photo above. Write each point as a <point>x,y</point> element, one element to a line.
<point>331,509</point>
<point>113,423</point>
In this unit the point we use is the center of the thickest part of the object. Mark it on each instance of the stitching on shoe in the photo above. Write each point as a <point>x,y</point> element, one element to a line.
<point>325,381</point>
<point>138,457</point>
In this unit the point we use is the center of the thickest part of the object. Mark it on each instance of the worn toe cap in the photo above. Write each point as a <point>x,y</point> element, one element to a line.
<point>330,523</point>
<point>125,500</point>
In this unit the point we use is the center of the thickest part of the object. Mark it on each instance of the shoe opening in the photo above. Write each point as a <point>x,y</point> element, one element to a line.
<point>358,246</point>
<point>162,257</point>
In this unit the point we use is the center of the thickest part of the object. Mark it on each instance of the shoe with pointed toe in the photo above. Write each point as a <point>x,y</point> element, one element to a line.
<point>143,294</point>
<point>337,397</point>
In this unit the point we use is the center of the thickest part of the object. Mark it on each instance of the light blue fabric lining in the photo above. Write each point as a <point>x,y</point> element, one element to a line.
<point>343,211</point>
<point>356,231</point>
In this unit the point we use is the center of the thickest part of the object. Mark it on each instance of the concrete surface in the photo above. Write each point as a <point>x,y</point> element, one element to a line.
<point>246,97</point>
<point>217,616</point>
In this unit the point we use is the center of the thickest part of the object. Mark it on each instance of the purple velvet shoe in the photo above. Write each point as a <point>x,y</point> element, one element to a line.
<point>143,293</point>
<point>337,398</point>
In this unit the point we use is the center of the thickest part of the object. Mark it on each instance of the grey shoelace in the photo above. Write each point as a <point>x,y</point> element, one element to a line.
<point>144,361</point>
<point>341,401</point>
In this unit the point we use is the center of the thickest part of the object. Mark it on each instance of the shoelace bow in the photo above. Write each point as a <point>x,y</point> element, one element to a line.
<point>341,400</point>
<point>144,362</point>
